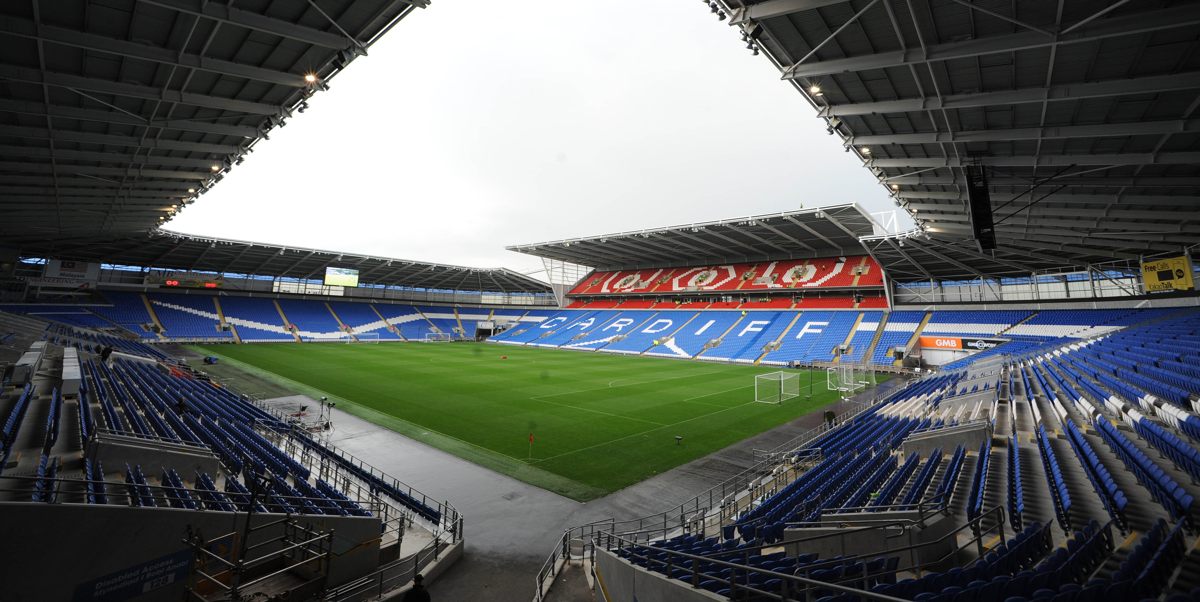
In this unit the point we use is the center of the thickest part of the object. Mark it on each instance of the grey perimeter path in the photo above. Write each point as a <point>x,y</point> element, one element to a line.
<point>511,526</point>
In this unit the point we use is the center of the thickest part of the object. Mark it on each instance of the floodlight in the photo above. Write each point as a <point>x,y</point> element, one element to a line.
<point>815,90</point>
<point>865,150</point>
<point>310,78</point>
<point>215,167</point>
<point>191,190</point>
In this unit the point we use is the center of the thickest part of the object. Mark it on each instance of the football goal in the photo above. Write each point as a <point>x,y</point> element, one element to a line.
<point>364,337</point>
<point>847,378</point>
<point>776,387</point>
<point>437,337</point>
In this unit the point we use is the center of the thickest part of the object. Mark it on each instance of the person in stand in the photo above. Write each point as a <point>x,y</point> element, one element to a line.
<point>181,406</point>
<point>417,593</point>
<point>106,354</point>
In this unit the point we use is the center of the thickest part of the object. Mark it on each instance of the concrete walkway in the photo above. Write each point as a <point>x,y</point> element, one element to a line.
<point>511,527</point>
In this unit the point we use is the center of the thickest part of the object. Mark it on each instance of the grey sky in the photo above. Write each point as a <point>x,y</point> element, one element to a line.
<point>472,126</point>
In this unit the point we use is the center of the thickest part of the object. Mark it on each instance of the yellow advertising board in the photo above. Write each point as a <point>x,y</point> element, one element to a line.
<point>1168,274</point>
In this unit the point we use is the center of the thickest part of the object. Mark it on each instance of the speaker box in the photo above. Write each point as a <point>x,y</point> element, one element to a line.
<point>981,208</point>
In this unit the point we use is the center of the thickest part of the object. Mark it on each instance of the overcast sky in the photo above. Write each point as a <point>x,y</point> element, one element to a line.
<point>473,125</point>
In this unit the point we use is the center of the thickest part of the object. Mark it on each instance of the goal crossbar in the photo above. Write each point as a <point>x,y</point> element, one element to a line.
<point>776,387</point>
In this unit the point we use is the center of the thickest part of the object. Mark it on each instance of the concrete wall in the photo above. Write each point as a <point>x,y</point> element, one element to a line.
<point>50,550</point>
<point>114,451</point>
<point>970,437</point>
<point>848,539</point>
<point>623,581</point>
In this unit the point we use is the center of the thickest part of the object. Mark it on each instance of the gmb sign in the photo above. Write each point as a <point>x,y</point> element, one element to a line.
<point>934,342</point>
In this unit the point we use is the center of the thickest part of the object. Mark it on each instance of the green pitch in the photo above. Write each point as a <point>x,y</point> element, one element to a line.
<point>600,421</point>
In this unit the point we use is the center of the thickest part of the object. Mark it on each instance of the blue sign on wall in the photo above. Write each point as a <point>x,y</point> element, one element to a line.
<point>137,580</point>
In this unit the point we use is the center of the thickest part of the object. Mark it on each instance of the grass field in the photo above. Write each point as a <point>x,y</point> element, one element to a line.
<point>600,422</point>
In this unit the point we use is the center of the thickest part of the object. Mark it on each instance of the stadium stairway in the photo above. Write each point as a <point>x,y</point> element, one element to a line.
<point>916,336</point>
<point>869,353</point>
<point>289,326</point>
<point>221,316</point>
<point>850,336</point>
<point>153,317</point>
<point>774,344</point>
<point>341,325</point>
<point>234,322</point>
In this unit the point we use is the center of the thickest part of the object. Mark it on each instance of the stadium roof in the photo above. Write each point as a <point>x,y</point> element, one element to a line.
<point>823,232</point>
<point>112,113</point>
<point>170,250</point>
<point>1083,116</point>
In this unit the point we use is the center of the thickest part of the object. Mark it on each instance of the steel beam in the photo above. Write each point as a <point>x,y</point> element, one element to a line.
<point>1079,91</point>
<point>37,167</point>
<point>7,192</point>
<point>35,133</point>
<point>118,118</point>
<point>1143,22</point>
<point>229,15</point>
<point>65,80</point>
<point>27,29</point>
<point>1073,199</point>
<point>1173,158</point>
<point>1090,182</point>
<point>777,8</point>
<point>1144,128</point>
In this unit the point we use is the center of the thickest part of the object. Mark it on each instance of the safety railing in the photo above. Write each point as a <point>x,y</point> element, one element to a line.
<point>390,576</point>
<point>707,510</point>
<point>331,465</point>
<point>695,570</point>
<point>297,547</point>
<point>102,431</point>
<point>60,490</point>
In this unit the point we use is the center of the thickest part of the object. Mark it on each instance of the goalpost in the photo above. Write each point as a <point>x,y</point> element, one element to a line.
<point>776,387</point>
<point>437,337</point>
<point>846,378</point>
<point>363,337</point>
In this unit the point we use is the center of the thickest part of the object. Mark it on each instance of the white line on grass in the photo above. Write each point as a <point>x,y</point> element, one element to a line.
<point>713,405</point>
<point>563,405</point>
<point>654,380</point>
<point>540,460</point>
<point>610,384</point>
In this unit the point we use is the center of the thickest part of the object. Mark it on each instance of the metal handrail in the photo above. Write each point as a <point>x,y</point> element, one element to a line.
<point>117,491</point>
<point>808,583</point>
<point>800,584</point>
<point>717,496</point>
<point>104,430</point>
<point>450,515</point>
<point>386,578</point>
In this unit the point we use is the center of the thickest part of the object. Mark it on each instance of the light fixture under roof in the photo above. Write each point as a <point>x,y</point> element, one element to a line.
<point>191,190</point>
<point>310,78</point>
<point>866,150</point>
<point>815,90</point>
<point>215,167</point>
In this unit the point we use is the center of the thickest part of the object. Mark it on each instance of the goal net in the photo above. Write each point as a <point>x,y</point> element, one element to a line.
<point>846,378</point>
<point>776,387</point>
<point>437,337</point>
<point>364,337</point>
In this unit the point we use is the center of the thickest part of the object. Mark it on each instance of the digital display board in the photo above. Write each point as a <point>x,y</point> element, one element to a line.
<point>341,277</point>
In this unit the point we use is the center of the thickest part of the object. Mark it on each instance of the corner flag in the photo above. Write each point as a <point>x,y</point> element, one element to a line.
<point>531,445</point>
